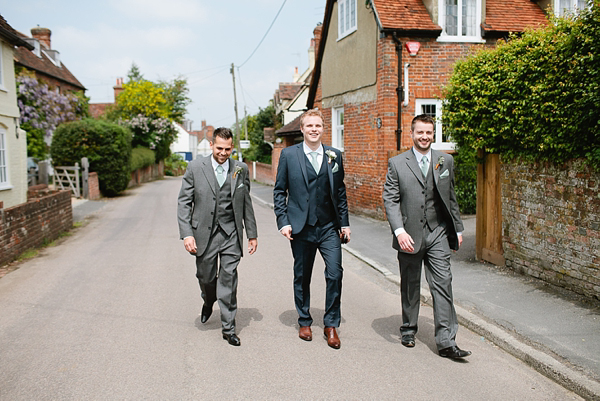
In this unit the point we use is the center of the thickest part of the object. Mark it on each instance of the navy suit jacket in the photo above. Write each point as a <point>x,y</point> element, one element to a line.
<point>290,194</point>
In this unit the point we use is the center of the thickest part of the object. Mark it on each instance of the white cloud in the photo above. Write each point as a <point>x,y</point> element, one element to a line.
<point>173,10</point>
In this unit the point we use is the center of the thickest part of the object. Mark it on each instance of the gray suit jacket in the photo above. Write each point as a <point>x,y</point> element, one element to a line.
<point>403,196</point>
<point>196,204</point>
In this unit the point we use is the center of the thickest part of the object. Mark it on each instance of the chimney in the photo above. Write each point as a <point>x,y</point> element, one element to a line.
<point>311,55</point>
<point>118,88</point>
<point>203,124</point>
<point>296,75</point>
<point>317,33</point>
<point>43,35</point>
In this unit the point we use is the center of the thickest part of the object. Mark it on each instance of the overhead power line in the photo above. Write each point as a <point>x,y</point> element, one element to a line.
<point>266,33</point>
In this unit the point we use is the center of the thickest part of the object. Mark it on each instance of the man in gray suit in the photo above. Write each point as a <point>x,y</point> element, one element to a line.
<point>423,213</point>
<point>214,205</point>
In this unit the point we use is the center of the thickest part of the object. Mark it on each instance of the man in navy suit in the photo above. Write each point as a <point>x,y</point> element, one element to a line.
<point>312,212</point>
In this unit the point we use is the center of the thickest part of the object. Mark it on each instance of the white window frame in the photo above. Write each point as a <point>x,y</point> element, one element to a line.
<point>438,142</point>
<point>573,7</point>
<point>347,24</point>
<point>459,37</point>
<point>4,173</point>
<point>337,128</point>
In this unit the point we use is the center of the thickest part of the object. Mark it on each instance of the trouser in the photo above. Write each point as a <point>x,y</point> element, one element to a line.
<point>218,281</point>
<point>435,256</point>
<point>326,240</point>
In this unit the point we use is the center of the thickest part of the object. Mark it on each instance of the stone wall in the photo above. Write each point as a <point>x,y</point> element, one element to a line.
<point>551,223</point>
<point>42,218</point>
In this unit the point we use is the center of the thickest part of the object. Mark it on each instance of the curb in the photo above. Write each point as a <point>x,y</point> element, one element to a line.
<point>538,360</point>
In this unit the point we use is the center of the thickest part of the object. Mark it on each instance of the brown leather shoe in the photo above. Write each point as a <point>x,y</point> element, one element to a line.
<point>332,338</point>
<point>305,333</point>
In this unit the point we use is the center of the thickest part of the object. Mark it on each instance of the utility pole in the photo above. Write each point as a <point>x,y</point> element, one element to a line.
<point>237,123</point>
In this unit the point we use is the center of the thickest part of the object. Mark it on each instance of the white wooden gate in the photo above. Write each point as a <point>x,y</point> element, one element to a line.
<point>67,177</point>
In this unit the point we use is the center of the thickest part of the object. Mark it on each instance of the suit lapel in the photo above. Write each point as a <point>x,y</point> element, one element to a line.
<point>411,162</point>
<point>301,156</point>
<point>231,172</point>
<point>329,169</point>
<point>209,173</point>
<point>436,172</point>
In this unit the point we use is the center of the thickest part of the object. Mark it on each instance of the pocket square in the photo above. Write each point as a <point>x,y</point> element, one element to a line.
<point>335,168</point>
<point>444,174</point>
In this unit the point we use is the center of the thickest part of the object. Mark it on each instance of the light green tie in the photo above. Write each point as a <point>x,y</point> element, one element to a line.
<point>220,175</point>
<point>314,161</point>
<point>424,166</point>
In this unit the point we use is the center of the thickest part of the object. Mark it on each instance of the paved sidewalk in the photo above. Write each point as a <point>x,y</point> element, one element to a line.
<point>552,330</point>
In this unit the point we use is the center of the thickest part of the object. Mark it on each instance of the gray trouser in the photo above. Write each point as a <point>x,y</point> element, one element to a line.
<point>220,284</point>
<point>435,255</point>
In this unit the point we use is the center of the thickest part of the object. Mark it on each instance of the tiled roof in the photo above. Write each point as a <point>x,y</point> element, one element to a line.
<point>513,15</point>
<point>9,33</point>
<point>291,128</point>
<point>289,90</point>
<point>407,15</point>
<point>44,65</point>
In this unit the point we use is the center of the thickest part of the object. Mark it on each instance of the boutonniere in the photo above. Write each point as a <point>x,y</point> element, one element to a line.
<point>440,162</point>
<point>238,169</point>
<point>331,155</point>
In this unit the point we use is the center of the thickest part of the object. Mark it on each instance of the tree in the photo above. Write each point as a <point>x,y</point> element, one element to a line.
<point>134,74</point>
<point>175,93</point>
<point>260,150</point>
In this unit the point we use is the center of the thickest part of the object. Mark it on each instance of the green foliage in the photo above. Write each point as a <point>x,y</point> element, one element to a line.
<point>259,150</point>
<point>465,179</point>
<point>142,97</point>
<point>174,164</point>
<point>134,74</point>
<point>534,97</point>
<point>152,133</point>
<point>106,145</point>
<point>176,95</point>
<point>140,158</point>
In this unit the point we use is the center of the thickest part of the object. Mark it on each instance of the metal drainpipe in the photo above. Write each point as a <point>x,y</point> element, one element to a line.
<point>399,91</point>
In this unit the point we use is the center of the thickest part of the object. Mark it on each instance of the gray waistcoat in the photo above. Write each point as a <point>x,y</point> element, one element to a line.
<point>433,203</point>
<point>224,212</point>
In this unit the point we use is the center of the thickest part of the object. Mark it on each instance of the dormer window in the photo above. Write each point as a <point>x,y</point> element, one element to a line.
<point>346,17</point>
<point>460,20</point>
<point>565,7</point>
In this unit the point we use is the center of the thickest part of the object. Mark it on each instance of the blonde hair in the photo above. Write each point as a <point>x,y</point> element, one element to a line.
<point>311,113</point>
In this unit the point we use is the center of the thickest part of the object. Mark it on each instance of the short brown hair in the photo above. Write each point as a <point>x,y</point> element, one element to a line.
<point>424,118</point>
<point>309,113</point>
<point>223,133</point>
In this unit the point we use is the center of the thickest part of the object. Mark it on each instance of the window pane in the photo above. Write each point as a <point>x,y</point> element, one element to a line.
<point>341,18</point>
<point>452,17</point>
<point>347,17</point>
<point>581,4</point>
<point>563,6</point>
<point>468,17</point>
<point>341,144</point>
<point>352,13</point>
<point>341,117</point>
<point>2,158</point>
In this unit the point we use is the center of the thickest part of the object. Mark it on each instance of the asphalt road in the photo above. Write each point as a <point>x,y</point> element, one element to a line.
<point>112,313</point>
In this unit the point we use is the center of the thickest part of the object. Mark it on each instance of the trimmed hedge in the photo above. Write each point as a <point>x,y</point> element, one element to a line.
<point>106,145</point>
<point>534,97</point>
<point>140,158</point>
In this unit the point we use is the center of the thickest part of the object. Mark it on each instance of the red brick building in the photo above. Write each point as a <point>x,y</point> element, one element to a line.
<point>45,62</point>
<point>369,85</point>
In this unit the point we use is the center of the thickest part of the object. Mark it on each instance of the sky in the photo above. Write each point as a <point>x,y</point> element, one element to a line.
<point>99,40</point>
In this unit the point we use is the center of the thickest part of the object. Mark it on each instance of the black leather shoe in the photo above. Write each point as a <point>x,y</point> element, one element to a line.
<point>206,312</point>
<point>453,352</point>
<point>232,339</point>
<point>408,340</point>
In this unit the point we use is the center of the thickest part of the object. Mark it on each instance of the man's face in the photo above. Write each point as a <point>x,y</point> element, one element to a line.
<point>221,149</point>
<point>422,136</point>
<point>312,128</point>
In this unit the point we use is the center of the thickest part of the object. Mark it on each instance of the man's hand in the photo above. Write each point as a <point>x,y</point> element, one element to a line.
<point>345,233</point>
<point>459,240</point>
<point>190,244</point>
<point>287,232</point>
<point>406,242</point>
<point>252,245</point>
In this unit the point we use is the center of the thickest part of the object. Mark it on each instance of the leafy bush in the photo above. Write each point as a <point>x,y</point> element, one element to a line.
<point>534,97</point>
<point>152,133</point>
<point>174,164</point>
<point>106,145</point>
<point>465,178</point>
<point>140,158</point>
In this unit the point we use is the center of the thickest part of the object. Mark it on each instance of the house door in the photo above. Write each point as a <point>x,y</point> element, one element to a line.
<point>488,237</point>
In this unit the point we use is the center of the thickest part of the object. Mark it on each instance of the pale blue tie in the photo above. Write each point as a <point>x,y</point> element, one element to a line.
<point>314,161</point>
<point>424,166</point>
<point>220,175</point>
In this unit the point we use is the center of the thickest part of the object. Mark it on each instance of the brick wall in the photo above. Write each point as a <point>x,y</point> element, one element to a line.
<point>551,224</point>
<point>146,174</point>
<point>265,173</point>
<point>28,225</point>
<point>93,186</point>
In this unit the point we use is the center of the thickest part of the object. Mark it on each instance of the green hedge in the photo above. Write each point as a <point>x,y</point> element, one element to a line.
<point>140,158</point>
<point>106,145</point>
<point>534,97</point>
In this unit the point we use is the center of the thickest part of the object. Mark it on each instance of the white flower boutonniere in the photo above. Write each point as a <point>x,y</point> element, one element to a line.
<point>440,162</point>
<point>237,170</point>
<point>330,155</point>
